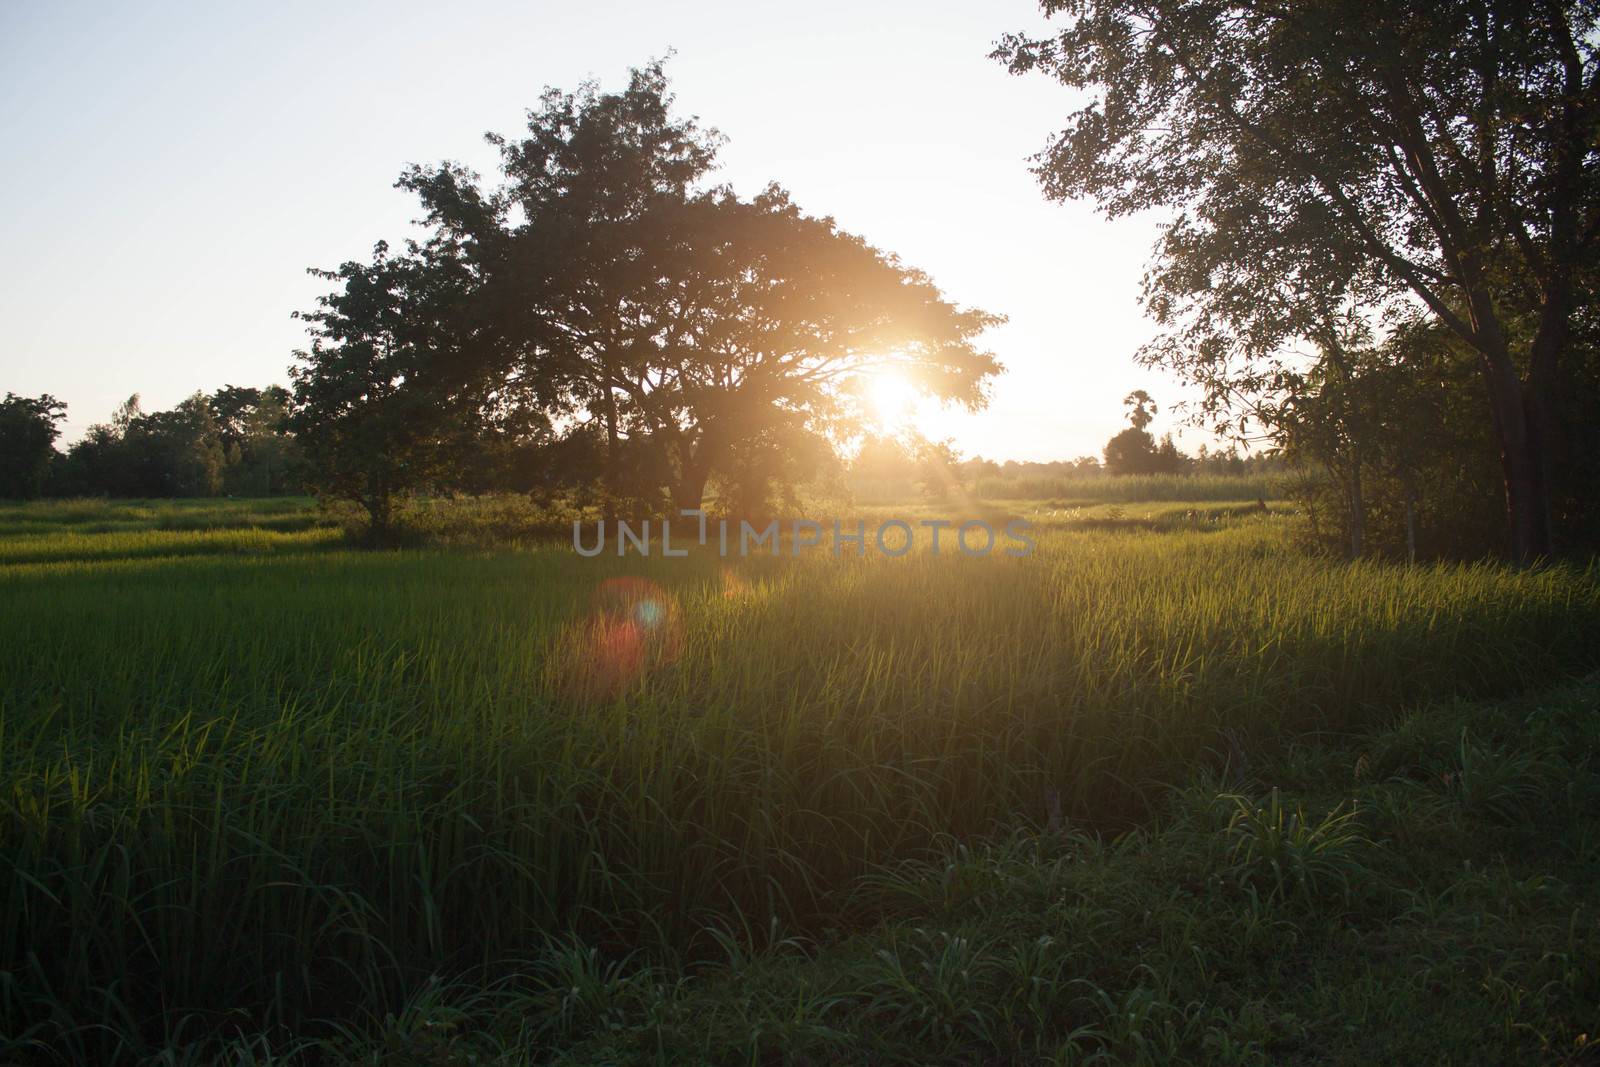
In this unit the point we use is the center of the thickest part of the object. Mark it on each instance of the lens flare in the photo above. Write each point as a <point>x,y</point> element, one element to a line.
<point>632,628</point>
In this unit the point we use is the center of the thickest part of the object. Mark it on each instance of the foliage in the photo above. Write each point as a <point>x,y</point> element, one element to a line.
<point>938,470</point>
<point>1432,933</point>
<point>163,453</point>
<point>236,440</point>
<point>1394,461</point>
<point>260,456</point>
<point>1134,451</point>
<point>699,326</point>
<point>1283,851</point>
<point>387,400</point>
<point>1413,158</point>
<point>28,433</point>
<point>250,785</point>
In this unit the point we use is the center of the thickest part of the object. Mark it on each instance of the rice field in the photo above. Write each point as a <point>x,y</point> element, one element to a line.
<point>254,781</point>
<point>1136,488</point>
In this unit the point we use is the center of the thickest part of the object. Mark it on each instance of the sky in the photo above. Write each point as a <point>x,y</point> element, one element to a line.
<point>171,170</point>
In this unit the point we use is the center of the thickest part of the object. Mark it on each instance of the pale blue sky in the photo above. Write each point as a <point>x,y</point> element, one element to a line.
<point>170,170</point>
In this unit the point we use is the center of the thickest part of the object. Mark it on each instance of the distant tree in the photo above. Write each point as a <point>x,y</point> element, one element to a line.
<point>1169,459</point>
<point>97,464</point>
<point>882,458</point>
<point>1141,408</point>
<point>261,454</point>
<point>232,407</point>
<point>28,434</point>
<point>1219,461</point>
<point>173,453</point>
<point>127,413</point>
<point>1134,451</point>
<point>1413,155</point>
<point>939,473</point>
<point>191,450</point>
<point>979,468</point>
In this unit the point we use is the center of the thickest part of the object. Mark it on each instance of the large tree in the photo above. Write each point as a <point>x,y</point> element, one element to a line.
<point>687,317</point>
<point>1427,156</point>
<point>551,246</point>
<point>755,318</point>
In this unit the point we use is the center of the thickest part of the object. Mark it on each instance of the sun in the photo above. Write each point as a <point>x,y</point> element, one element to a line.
<point>891,400</point>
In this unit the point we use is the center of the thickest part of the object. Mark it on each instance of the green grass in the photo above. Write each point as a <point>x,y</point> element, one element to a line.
<point>1428,896</point>
<point>97,516</point>
<point>1083,489</point>
<point>253,779</point>
<point>1137,488</point>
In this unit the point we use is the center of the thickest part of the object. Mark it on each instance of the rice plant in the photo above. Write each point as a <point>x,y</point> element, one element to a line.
<point>254,780</point>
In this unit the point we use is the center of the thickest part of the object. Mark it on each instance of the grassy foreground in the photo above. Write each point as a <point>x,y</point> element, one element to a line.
<point>436,805</point>
<point>1427,891</point>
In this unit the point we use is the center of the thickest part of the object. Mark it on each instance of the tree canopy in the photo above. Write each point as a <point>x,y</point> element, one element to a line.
<point>1409,159</point>
<point>604,279</point>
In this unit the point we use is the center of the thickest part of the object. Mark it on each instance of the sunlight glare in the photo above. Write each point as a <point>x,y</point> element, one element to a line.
<point>891,401</point>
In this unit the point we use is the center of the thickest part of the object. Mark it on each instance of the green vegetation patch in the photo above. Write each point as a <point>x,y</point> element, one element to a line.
<point>256,790</point>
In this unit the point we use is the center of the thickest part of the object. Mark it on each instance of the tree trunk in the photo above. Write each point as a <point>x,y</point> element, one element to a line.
<point>1543,409</point>
<point>1411,520</point>
<point>696,453</point>
<point>1517,422</point>
<point>1358,511</point>
<point>380,513</point>
<point>613,456</point>
<point>690,491</point>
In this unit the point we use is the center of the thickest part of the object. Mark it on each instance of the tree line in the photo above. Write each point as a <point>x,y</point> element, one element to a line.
<point>1380,261</point>
<point>240,441</point>
<point>236,440</point>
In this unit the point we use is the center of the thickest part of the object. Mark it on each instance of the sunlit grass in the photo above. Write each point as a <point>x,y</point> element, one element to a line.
<point>259,776</point>
<point>1136,488</point>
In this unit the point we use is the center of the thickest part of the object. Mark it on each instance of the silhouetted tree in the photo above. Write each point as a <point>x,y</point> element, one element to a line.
<point>261,455</point>
<point>1399,155</point>
<point>173,453</point>
<point>28,434</point>
<point>1141,409</point>
<point>882,457</point>
<point>1134,451</point>
<point>1407,465</point>
<point>98,464</point>
<point>380,405</point>
<point>939,473</point>
<point>761,473</point>
<point>203,446</point>
<point>698,321</point>
<point>552,245</point>
<point>232,407</point>
<point>1131,451</point>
